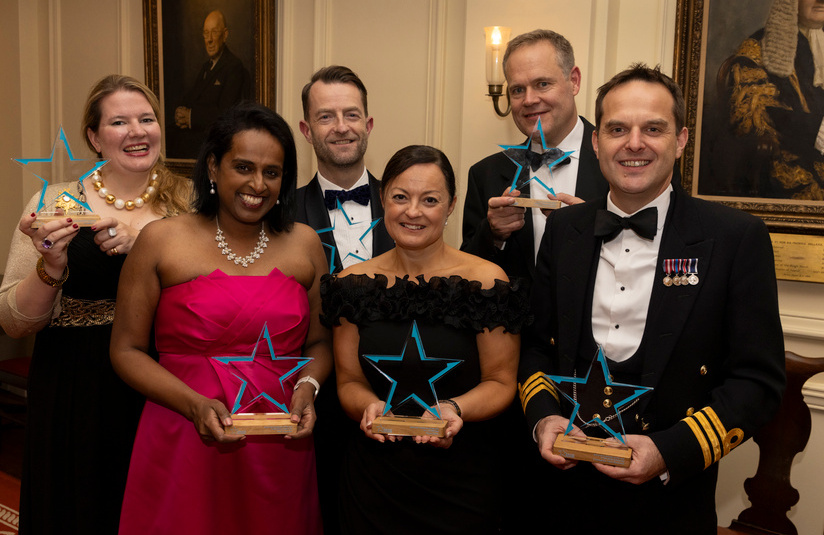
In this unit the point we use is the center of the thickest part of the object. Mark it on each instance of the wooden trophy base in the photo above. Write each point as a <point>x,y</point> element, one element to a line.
<point>593,450</point>
<point>83,220</point>
<point>409,426</point>
<point>264,423</point>
<point>544,204</point>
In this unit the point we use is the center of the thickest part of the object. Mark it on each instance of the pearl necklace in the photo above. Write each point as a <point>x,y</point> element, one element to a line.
<point>120,204</point>
<point>262,244</point>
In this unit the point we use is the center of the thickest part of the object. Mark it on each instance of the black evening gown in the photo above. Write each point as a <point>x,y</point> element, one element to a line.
<point>404,487</point>
<point>81,416</point>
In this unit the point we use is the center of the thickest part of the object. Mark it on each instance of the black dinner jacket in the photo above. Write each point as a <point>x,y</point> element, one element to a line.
<point>216,89</point>
<point>715,348</point>
<point>488,178</point>
<point>312,211</point>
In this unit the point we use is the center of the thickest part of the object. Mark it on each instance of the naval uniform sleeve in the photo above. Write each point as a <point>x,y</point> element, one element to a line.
<point>750,392</point>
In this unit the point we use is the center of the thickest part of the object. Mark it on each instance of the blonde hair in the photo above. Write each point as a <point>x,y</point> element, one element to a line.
<point>173,192</point>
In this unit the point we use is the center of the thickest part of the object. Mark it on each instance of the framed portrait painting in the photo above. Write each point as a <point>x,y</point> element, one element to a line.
<point>755,109</point>
<point>202,57</point>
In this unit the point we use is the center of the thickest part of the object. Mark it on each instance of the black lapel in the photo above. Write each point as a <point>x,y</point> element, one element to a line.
<point>525,238</point>
<point>575,268</point>
<point>670,306</point>
<point>317,217</point>
<point>381,241</point>
<point>590,183</point>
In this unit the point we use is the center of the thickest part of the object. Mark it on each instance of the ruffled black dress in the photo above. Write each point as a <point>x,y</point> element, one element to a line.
<point>403,487</point>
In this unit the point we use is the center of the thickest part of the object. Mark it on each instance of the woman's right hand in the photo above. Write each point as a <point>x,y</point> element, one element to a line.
<point>210,417</point>
<point>52,241</point>
<point>372,411</point>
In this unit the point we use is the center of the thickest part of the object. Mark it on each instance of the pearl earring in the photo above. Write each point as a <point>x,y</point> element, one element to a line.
<point>212,183</point>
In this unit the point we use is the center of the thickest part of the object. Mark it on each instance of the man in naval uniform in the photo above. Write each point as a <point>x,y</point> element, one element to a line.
<point>681,295</point>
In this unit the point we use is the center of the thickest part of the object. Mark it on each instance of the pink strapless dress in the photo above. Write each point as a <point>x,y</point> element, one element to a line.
<point>263,484</point>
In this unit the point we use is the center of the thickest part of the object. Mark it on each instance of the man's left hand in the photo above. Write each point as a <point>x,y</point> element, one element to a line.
<point>646,463</point>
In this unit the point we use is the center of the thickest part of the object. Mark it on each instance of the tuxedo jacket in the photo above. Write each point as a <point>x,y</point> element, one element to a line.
<point>488,178</point>
<point>713,352</point>
<point>312,211</point>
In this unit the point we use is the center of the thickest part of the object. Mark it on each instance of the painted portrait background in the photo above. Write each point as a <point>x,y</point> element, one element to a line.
<point>184,51</point>
<point>774,162</point>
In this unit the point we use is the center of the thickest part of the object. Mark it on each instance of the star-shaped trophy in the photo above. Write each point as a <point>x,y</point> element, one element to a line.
<point>597,402</point>
<point>362,228</point>
<point>523,156</point>
<point>62,166</point>
<point>411,376</point>
<point>257,384</point>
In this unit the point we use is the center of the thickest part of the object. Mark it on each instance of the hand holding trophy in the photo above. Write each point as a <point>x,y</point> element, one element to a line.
<point>415,386</point>
<point>259,409</point>
<point>62,166</point>
<point>597,402</point>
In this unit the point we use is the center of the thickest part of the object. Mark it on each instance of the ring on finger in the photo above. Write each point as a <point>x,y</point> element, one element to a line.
<point>47,243</point>
<point>113,251</point>
<point>112,232</point>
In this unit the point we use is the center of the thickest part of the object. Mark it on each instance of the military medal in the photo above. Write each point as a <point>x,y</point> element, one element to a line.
<point>693,271</point>
<point>676,280</point>
<point>667,272</point>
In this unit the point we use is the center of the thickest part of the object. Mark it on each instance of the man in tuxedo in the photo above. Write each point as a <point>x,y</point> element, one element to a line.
<point>341,202</point>
<point>680,294</point>
<point>221,82</point>
<point>343,196</point>
<point>542,81</point>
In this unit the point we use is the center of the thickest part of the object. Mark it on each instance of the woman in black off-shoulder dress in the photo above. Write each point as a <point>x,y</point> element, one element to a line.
<point>424,296</point>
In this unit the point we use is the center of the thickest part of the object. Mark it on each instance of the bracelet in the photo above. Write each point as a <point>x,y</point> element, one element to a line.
<point>48,279</point>
<point>311,380</point>
<point>454,405</point>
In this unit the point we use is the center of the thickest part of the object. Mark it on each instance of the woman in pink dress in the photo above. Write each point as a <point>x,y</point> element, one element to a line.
<point>233,294</point>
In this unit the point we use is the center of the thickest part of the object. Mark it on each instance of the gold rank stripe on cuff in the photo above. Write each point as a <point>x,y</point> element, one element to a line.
<point>537,382</point>
<point>712,436</point>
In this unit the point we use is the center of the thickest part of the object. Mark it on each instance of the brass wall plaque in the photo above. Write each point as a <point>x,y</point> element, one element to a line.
<point>799,257</point>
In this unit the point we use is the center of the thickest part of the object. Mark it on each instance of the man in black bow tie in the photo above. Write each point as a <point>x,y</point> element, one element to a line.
<point>542,83</point>
<point>710,345</point>
<point>343,196</point>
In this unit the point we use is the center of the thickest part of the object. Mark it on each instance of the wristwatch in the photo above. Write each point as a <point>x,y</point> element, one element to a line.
<point>311,380</point>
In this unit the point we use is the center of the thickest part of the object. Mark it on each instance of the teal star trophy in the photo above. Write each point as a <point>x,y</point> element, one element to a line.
<point>61,166</point>
<point>597,402</point>
<point>411,384</point>
<point>257,383</point>
<point>525,158</point>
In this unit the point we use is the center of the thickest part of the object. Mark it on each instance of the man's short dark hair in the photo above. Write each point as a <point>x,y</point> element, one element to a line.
<point>563,48</point>
<point>642,72</point>
<point>333,74</point>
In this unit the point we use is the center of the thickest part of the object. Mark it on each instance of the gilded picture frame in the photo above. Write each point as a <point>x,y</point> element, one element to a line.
<point>175,54</point>
<point>704,37</point>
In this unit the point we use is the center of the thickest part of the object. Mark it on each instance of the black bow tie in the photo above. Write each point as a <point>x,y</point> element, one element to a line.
<point>644,223</point>
<point>360,195</point>
<point>537,160</point>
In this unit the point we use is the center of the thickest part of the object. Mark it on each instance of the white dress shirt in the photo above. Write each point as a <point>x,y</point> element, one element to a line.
<point>349,227</point>
<point>562,179</point>
<point>623,285</point>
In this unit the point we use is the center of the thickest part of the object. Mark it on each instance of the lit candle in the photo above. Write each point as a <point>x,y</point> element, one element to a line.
<point>496,39</point>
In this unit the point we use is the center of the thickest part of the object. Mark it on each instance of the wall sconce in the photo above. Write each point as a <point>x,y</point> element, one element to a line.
<point>496,39</point>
